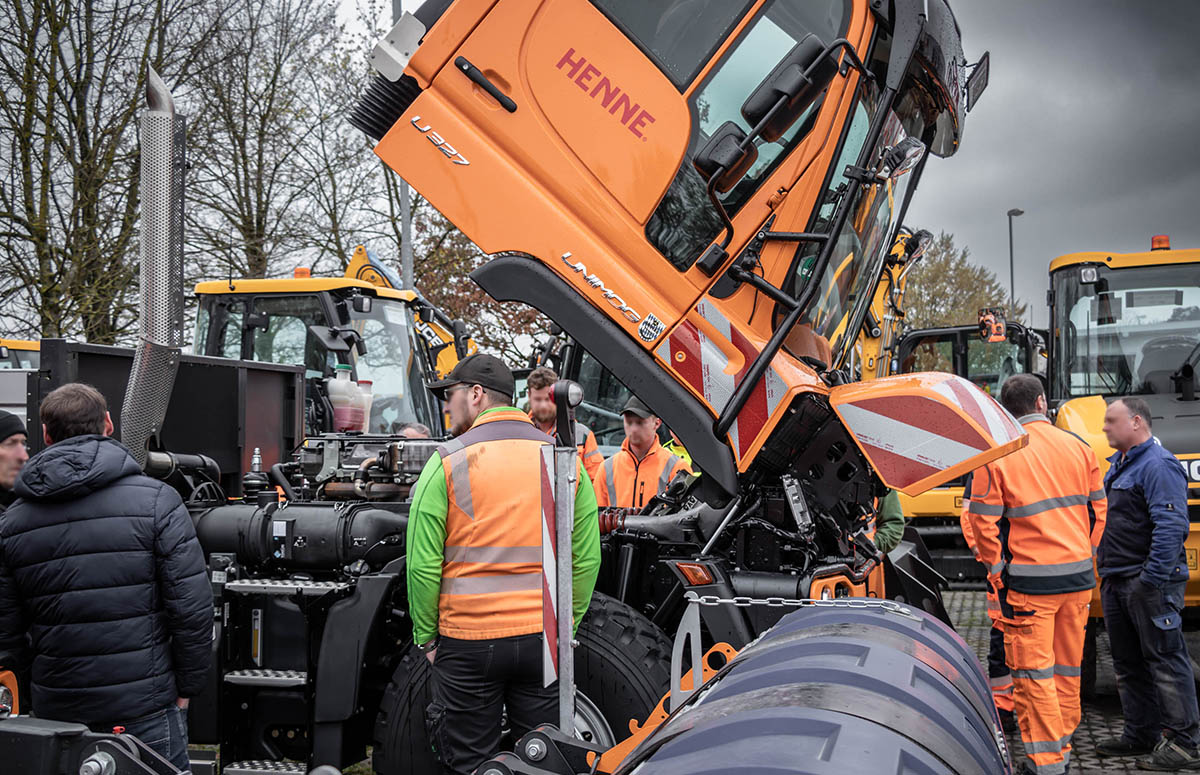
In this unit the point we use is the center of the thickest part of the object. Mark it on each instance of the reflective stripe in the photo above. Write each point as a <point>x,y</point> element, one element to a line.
<point>665,477</point>
<point>1068,670</point>
<point>1097,495</point>
<point>459,476</point>
<point>483,585</point>
<point>449,448</point>
<point>1035,675</point>
<point>593,453</point>
<point>1025,419</point>
<point>494,554</point>
<point>986,509</point>
<point>1046,505</point>
<point>1052,569</point>
<point>610,477</point>
<point>996,568</point>
<point>1043,746</point>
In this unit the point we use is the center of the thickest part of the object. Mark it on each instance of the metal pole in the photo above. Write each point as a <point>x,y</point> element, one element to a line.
<point>406,251</point>
<point>564,524</point>
<point>1012,293</point>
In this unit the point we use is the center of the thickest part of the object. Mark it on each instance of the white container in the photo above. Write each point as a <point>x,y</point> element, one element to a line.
<point>346,399</point>
<point>367,397</point>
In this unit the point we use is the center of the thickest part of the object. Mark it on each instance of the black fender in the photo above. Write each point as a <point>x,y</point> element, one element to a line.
<point>517,277</point>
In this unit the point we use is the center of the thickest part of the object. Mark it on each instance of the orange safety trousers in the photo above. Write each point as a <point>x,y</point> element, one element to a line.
<point>1043,642</point>
<point>1002,685</point>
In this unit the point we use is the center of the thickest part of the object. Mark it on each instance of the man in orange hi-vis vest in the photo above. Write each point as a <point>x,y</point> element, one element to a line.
<point>642,468</point>
<point>474,566</point>
<point>1037,516</point>
<point>999,676</point>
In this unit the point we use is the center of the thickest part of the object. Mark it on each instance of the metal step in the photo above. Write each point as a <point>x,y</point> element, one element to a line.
<point>279,679</point>
<point>264,767</point>
<point>284,586</point>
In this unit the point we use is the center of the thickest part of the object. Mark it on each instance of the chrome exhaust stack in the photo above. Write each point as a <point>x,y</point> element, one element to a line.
<point>160,325</point>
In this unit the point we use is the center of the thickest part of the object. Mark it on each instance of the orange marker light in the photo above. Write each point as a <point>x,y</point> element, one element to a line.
<point>1160,242</point>
<point>302,271</point>
<point>695,574</point>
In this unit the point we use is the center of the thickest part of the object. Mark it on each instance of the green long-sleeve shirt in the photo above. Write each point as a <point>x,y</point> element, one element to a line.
<point>426,544</point>
<point>889,523</point>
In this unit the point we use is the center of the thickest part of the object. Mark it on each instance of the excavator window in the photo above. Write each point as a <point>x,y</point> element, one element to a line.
<point>392,366</point>
<point>285,337</point>
<point>685,222</point>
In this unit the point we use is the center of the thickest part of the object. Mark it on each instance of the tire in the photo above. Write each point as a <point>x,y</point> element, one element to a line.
<point>622,664</point>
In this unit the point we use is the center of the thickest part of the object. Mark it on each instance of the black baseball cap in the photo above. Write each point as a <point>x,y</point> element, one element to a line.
<point>478,369</point>
<point>635,405</point>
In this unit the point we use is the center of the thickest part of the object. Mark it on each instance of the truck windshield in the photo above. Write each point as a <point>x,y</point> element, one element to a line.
<point>1123,331</point>
<point>392,365</point>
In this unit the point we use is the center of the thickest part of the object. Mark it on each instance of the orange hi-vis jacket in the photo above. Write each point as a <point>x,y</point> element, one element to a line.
<point>589,451</point>
<point>627,481</point>
<point>1037,515</point>
<point>492,575</point>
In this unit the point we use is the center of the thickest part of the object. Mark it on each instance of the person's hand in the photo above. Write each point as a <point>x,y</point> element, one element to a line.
<point>431,655</point>
<point>181,703</point>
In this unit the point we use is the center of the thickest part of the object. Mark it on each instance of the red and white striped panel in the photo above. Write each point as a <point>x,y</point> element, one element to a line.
<point>982,407</point>
<point>702,364</point>
<point>909,438</point>
<point>549,571</point>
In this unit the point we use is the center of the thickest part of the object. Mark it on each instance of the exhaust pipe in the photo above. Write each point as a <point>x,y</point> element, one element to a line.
<point>160,325</point>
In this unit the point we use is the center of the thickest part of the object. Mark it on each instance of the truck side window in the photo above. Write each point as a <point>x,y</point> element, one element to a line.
<point>684,223</point>
<point>681,35</point>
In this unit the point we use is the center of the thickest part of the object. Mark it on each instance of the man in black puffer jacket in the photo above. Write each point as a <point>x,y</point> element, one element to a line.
<point>103,581</point>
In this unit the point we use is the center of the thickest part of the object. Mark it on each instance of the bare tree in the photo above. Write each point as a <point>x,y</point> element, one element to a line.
<point>255,113</point>
<point>73,77</point>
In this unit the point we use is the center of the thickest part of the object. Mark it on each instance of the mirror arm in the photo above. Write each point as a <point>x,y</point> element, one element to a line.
<point>727,222</point>
<point>739,273</point>
<point>741,393</point>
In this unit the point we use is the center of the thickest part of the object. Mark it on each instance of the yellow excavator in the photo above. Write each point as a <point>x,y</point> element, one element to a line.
<point>393,337</point>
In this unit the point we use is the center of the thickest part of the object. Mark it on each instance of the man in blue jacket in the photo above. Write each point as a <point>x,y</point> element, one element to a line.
<point>103,583</point>
<point>1143,570</point>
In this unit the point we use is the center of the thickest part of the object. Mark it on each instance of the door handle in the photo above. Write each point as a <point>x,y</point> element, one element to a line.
<point>481,80</point>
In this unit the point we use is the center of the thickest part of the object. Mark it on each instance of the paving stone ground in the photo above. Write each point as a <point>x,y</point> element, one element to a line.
<point>1101,717</point>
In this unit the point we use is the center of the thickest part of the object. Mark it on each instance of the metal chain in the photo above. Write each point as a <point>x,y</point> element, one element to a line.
<point>743,601</point>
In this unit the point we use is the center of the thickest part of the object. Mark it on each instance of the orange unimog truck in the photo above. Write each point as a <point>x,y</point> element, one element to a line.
<point>702,196</point>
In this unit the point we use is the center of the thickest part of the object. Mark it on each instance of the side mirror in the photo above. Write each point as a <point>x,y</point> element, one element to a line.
<point>257,320</point>
<point>723,153</point>
<point>361,304</point>
<point>917,244</point>
<point>425,313</point>
<point>799,77</point>
<point>977,81</point>
<point>900,159</point>
<point>461,335</point>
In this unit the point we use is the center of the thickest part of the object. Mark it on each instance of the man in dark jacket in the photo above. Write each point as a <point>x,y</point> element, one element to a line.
<point>102,577</point>
<point>1143,569</point>
<point>12,455</point>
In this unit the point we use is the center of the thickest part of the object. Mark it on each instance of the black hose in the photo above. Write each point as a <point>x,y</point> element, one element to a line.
<point>279,478</point>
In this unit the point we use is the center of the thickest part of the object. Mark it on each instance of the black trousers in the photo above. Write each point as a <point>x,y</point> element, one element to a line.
<point>474,682</point>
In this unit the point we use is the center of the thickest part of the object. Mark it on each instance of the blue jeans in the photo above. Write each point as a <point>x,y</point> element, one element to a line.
<point>164,732</point>
<point>1154,673</point>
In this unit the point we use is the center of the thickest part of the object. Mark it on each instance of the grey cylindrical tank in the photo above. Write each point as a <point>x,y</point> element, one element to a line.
<point>839,691</point>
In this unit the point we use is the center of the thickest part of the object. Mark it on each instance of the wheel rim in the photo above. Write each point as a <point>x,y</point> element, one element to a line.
<point>590,724</point>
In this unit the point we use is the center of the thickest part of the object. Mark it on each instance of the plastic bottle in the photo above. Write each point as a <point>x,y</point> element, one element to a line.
<point>367,397</point>
<point>346,400</point>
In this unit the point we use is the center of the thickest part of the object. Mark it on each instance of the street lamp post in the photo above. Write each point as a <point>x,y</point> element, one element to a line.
<point>1012,295</point>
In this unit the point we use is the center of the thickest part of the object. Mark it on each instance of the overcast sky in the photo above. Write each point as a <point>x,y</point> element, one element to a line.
<point>1090,124</point>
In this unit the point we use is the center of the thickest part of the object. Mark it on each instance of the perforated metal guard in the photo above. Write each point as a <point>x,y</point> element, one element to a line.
<point>263,767</point>
<point>163,164</point>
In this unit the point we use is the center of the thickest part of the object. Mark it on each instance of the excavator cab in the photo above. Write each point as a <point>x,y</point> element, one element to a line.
<point>394,338</point>
<point>702,194</point>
